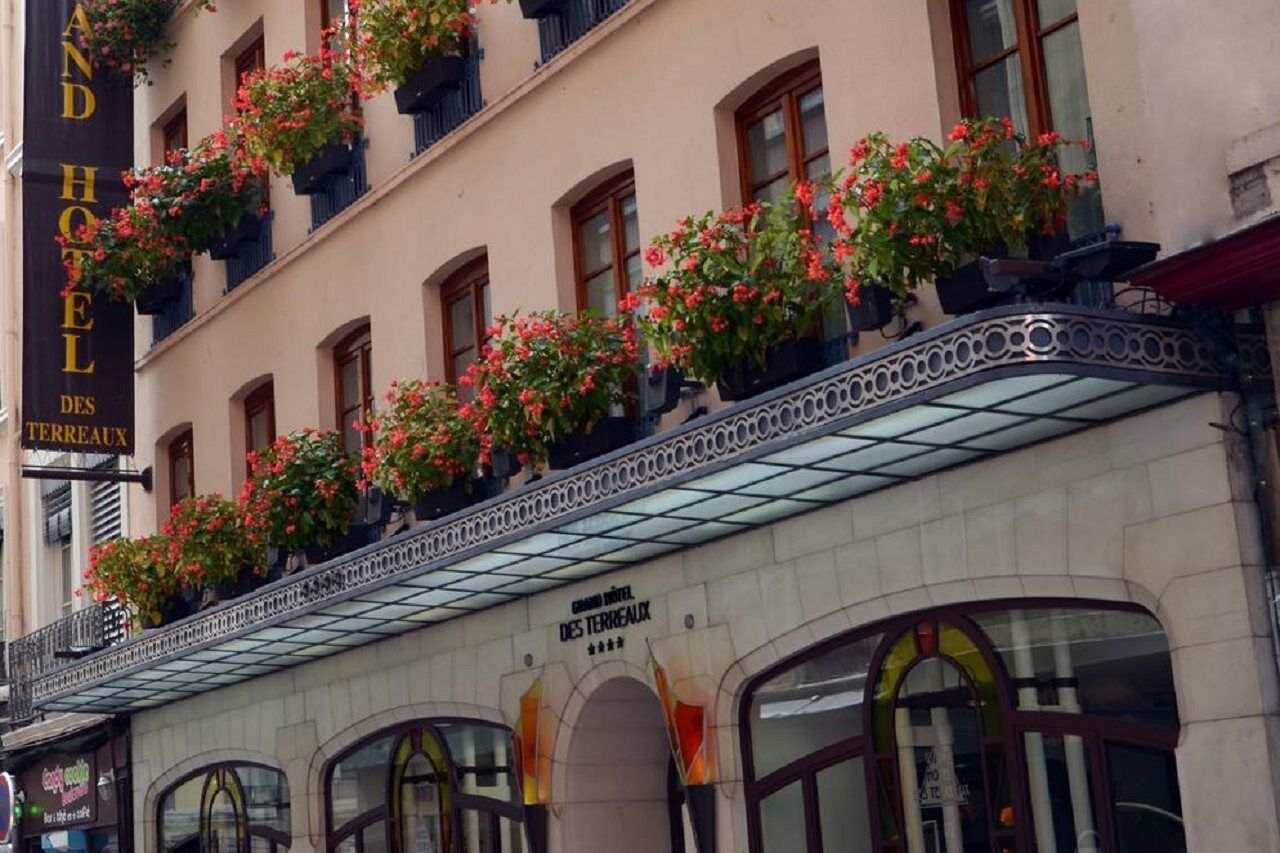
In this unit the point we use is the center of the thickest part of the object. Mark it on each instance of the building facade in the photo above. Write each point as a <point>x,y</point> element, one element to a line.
<point>1004,583</point>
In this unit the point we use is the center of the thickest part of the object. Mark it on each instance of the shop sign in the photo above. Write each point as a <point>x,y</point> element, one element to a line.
<point>77,349</point>
<point>62,792</point>
<point>605,613</point>
<point>6,808</point>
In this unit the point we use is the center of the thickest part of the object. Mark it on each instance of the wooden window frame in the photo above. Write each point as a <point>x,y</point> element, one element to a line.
<point>470,279</point>
<point>358,345</point>
<point>1030,50</point>
<point>170,129</point>
<point>782,92</point>
<point>182,445</point>
<point>252,58</point>
<point>606,197</point>
<point>260,399</point>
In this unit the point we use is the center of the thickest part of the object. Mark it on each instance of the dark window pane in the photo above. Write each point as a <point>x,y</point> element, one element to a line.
<point>266,794</point>
<point>635,272</point>
<point>349,381</point>
<point>486,306</point>
<point>596,242</point>
<point>782,820</point>
<point>1069,105</point>
<point>999,92</point>
<point>359,781</point>
<point>775,190</point>
<point>992,28</point>
<point>462,321</point>
<point>601,295</point>
<point>1060,785</point>
<point>842,808</point>
<point>1052,11</point>
<point>817,168</point>
<point>461,362</point>
<point>813,121</point>
<point>767,146</point>
<point>1146,802</point>
<point>259,430</point>
<point>630,223</point>
<point>180,814</point>
<point>814,704</point>
<point>1109,662</point>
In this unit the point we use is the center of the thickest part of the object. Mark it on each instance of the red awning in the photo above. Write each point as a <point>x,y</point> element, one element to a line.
<point>1237,271</point>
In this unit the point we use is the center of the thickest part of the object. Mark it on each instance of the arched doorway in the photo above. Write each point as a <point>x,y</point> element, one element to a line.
<point>616,788</point>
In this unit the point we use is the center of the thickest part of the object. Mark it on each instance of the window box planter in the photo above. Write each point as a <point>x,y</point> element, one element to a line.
<point>967,289</point>
<point>543,8</point>
<point>609,434</point>
<point>785,363</point>
<point>312,176</point>
<point>179,606</point>
<point>874,309</point>
<point>660,390</point>
<point>370,518</point>
<point>245,583</point>
<point>424,89</point>
<point>229,245</point>
<point>158,297</point>
<point>1110,260</point>
<point>459,495</point>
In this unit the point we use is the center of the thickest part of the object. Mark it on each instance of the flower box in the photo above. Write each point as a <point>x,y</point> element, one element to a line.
<point>661,390</point>
<point>158,297</point>
<point>874,309</point>
<point>785,363</point>
<point>312,176</point>
<point>176,607</point>
<point>1110,260</point>
<point>246,231</point>
<point>243,584</point>
<point>456,497</point>
<point>609,434</point>
<point>424,89</point>
<point>968,289</point>
<point>543,8</point>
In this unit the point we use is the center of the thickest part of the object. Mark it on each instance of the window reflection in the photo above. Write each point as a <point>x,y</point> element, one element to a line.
<point>227,808</point>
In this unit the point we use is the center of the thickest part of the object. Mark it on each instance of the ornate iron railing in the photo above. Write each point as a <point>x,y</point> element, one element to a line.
<point>343,190</point>
<point>176,313</point>
<point>58,645</point>
<point>433,125</point>
<point>252,256</point>
<point>556,32</point>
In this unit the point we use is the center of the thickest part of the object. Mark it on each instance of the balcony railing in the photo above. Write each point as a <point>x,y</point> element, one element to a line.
<point>175,314</point>
<point>60,644</point>
<point>343,190</point>
<point>252,256</point>
<point>431,126</point>
<point>556,32</point>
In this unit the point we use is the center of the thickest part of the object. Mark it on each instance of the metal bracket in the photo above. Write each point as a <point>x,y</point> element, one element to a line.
<point>92,475</point>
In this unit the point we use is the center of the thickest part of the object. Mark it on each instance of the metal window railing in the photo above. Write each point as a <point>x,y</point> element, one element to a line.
<point>558,31</point>
<point>57,645</point>
<point>452,110</point>
<point>175,314</point>
<point>252,256</point>
<point>342,190</point>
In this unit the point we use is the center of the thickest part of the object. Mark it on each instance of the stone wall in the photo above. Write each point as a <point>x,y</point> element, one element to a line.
<point>1147,510</point>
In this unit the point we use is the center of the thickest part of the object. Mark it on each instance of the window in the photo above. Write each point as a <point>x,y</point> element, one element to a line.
<point>969,729</point>
<point>173,133</point>
<point>782,135</point>
<point>467,315</point>
<point>606,245</point>
<point>354,381</point>
<point>1023,59</point>
<point>252,58</point>
<point>439,786</point>
<point>227,808</point>
<point>259,419</point>
<point>182,468</point>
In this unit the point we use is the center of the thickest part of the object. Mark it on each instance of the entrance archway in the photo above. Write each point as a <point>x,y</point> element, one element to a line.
<point>616,787</point>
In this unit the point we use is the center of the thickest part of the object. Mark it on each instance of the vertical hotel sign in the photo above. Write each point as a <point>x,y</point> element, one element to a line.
<point>77,350</point>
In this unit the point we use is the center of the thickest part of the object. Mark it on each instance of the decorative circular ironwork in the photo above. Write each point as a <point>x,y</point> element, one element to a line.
<point>861,389</point>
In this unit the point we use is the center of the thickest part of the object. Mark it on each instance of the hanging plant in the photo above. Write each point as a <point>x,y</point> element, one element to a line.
<point>126,35</point>
<point>729,289</point>
<point>129,253</point>
<point>300,491</point>
<point>425,440</point>
<point>288,113</point>
<point>906,213</point>
<point>547,376</point>
<point>143,575</point>
<point>212,545</point>
<point>396,38</point>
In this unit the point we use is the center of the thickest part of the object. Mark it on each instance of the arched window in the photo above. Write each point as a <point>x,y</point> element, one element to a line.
<point>992,728</point>
<point>227,808</point>
<point>606,245</point>
<point>440,786</point>
<point>468,312</point>
<point>782,135</point>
